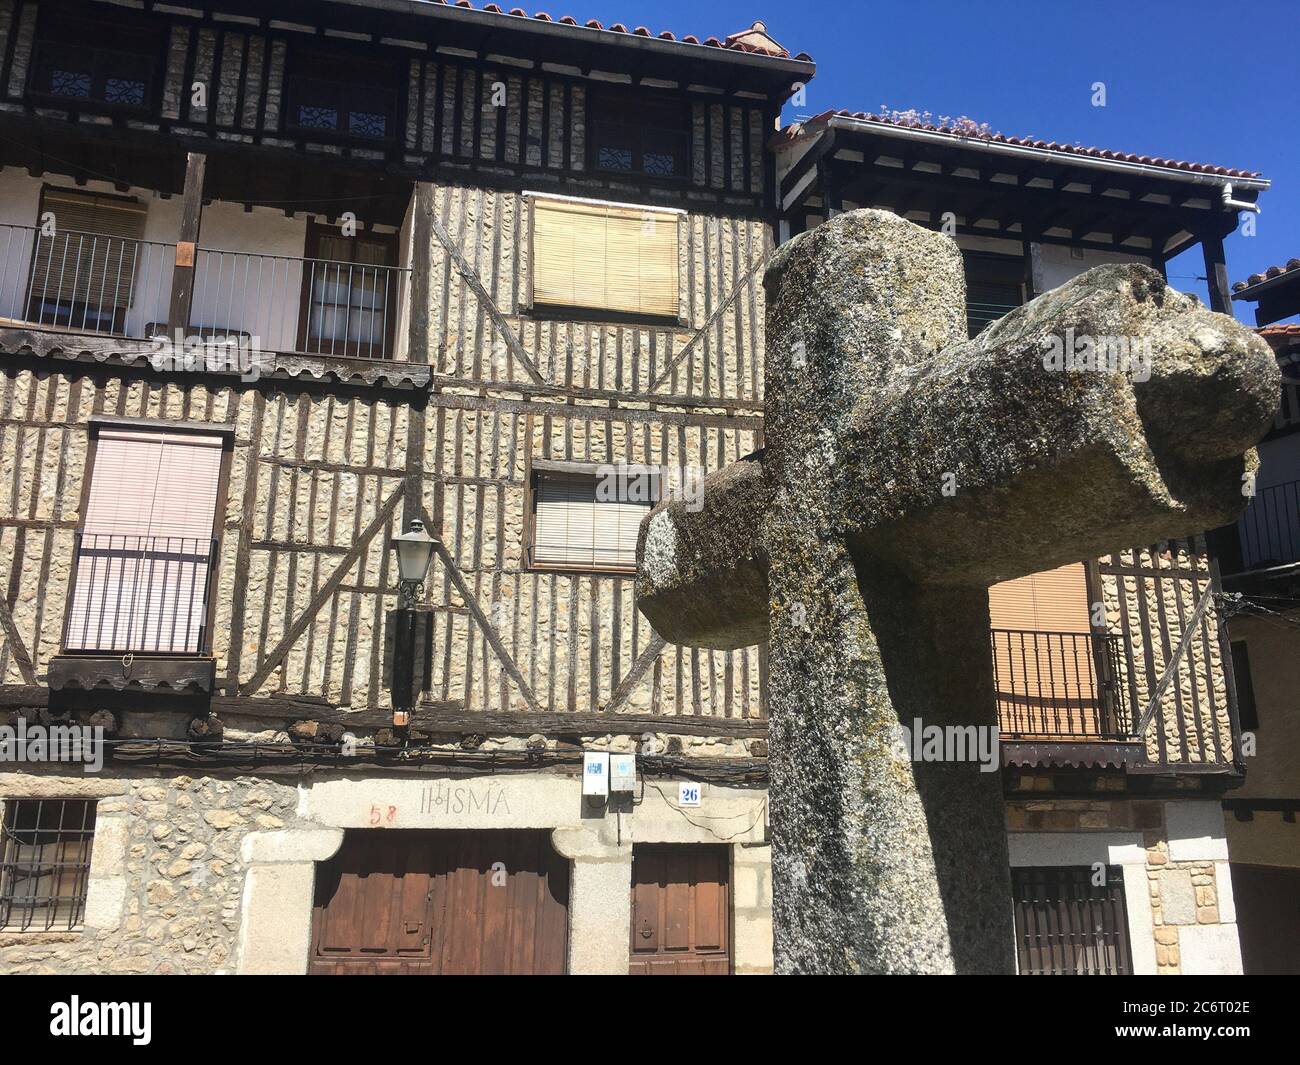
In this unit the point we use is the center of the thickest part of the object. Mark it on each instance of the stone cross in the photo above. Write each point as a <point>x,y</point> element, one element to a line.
<point>906,469</point>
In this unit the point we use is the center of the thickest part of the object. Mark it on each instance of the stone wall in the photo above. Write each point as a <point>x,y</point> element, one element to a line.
<point>211,874</point>
<point>1148,603</point>
<point>166,872</point>
<point>1174,859</point>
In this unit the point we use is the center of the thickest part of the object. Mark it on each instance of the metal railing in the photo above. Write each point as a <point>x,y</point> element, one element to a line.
<point>139,594</point>
<point>314,306</point>
<point>1059,685</point>
<point>45,849</point>
<point>1269,528</point>
<point>89,282</point>
<point>119,286</point>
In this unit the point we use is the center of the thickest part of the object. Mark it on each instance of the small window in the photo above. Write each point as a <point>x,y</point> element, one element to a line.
<point>995,286</point>
<point>335,95</point>
<point>614,258</point>
<point>576,527</point>
<point>349,294</point>
<point>1067,924</point>
<point>45,849</point>
<point>1247,711</point>
<point>110,65</point>
<point>84,273</point>
<point>145,552</point>
<point>636,135</point>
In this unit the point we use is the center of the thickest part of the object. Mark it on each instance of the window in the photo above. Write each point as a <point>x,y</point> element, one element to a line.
<point>45,863</point>
<point>349,294</point>
<point>84,275</point>
<point>356,100</point>
<point>592,256</point>
<point>574,526</point>
<point>1053,676</point>
<point>146,548</point>
<point>995,285</point>
<point>1247,711</point>
<point>74,61</point>
<point>1068,925</point>
<point>639,135</point>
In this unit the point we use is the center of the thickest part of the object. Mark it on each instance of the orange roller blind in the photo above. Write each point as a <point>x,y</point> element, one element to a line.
<point>612,257</point>
<point>1055,600</point>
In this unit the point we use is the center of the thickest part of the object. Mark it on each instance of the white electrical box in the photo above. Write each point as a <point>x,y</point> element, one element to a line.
<point>688,793</point>
<point>595,773</point>
<point>622,772</point>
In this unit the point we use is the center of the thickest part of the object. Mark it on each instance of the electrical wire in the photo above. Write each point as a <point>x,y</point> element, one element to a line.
<point>762,808</point>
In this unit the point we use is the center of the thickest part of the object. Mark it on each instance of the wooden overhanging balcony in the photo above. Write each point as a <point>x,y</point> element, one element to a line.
<point>1059,686</point>
<point>246,303</point>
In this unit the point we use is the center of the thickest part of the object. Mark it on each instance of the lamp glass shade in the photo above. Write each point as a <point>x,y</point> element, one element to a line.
<point>414,553</point>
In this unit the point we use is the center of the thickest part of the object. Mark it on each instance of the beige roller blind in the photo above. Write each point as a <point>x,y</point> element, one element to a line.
<point>93,254</point>
<point>574,528</point>
<point>604,257</point>
<point>145,547</point>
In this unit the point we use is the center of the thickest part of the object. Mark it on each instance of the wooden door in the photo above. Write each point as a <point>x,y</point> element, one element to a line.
<point>441,903</point>
<point>681,910</point>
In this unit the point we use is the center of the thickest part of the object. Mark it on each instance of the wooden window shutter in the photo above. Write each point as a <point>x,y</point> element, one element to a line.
<point>611,257</point>
<point>145,547</point>
<point>93,254</point>
<point>574,528</point>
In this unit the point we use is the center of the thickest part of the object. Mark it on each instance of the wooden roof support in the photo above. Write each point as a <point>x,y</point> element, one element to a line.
<point>187,241</point>
<point>1216,274</point>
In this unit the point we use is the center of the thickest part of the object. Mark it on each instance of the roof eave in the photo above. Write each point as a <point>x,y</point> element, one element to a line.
<point>1198,177</point>
<point>798,69</point>
<point>1251,293</point>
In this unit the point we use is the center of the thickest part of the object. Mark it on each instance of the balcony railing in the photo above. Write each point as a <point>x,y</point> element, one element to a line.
<point>95,283</point>
<point>1269,529</point>
<point>89,282</point>
<point>1059,686</point>
<point>139,594</point>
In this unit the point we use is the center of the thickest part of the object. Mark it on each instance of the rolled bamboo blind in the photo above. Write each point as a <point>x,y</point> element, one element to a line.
<point>611,257</point>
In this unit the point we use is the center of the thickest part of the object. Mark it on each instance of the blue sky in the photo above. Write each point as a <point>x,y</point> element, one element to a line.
<point>1206,82</point>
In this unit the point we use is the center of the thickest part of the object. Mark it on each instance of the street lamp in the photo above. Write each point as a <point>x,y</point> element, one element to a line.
<point>414,553</point>
<point>409,653</point>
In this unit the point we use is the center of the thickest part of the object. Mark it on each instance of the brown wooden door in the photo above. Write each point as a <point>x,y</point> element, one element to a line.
<point>441,903</point>
<point>681,910</point>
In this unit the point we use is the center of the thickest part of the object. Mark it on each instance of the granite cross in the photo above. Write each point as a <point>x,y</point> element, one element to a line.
<point>906,469</point>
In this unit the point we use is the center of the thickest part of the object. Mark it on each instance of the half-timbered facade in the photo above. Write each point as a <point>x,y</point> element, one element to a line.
<point>276,285</point>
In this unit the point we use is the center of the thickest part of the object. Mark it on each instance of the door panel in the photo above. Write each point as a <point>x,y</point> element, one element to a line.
<point>428,903</point>
<point>681,910</point>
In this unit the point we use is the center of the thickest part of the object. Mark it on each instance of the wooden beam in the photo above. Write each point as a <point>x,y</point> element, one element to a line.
<point>16,646</point>
<point>586,724</point>
<point>273,659</point>
<point>187,243</point>
<point>1216,274</point>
